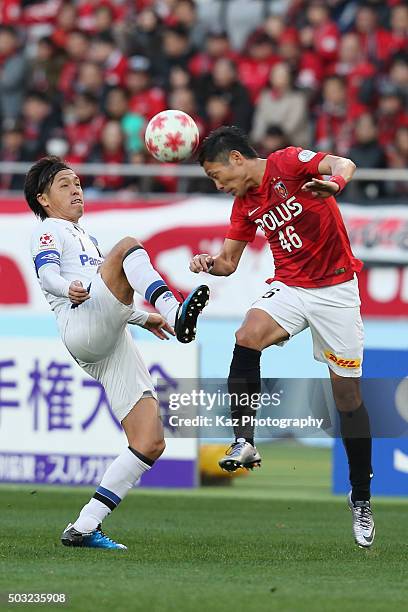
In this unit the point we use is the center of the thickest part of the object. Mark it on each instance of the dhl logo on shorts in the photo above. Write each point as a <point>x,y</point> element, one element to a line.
<point>342,363</point>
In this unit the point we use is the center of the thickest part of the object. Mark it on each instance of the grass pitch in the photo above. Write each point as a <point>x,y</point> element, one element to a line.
<point>275,540</point>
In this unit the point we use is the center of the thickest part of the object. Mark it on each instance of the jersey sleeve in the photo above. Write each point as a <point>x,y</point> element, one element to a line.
<point>295,162</point>
<point>241,228</point>
<point>46,246</point>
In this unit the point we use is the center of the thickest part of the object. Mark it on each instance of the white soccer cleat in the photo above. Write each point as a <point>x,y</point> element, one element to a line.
<point>363,522</point>
<point>241,454</point>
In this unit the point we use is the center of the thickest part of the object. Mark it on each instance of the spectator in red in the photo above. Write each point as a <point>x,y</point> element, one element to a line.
<point>224,82</point>
<point>66,22</point>
<point>13,72</point>
<point>145,99</point>
<point>375,41</point>
<point>109,150</point>
<point>77,49</point>
<point>303,60</point>
<point>275,139</point>
<point>366,152</point>
<point>90,79</point>
<point>333,125</point>
<point>391,114</point>
<point>88,15</point>
<point>10,12</point>
<point>84,127</point>
<point>40,122</point>
<point>358,73</point>
<point>45,67</point>
<point>325,32</point>
<point>399,28</point>
<point>255,65</point>
<point>281,104</point>
<point>217,46</point>
<point>105,52</point>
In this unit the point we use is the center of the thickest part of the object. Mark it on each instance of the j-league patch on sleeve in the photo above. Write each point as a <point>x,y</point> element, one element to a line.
<point>47,241</point>
<point>306,155</point>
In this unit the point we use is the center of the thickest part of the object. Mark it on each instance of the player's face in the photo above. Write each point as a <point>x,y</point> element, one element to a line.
<point>65,199</point>
<point>229,177</point>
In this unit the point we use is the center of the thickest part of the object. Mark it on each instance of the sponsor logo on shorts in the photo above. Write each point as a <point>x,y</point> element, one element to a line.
<point>341,362</point>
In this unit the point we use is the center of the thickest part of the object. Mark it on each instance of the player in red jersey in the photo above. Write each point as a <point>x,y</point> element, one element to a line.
<point>314,286</point>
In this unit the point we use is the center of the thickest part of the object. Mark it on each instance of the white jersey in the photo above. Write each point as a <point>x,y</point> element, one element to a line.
<point>68,245</point>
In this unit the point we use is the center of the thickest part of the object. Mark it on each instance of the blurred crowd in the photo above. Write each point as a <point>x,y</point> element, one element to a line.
<point>81,79</point>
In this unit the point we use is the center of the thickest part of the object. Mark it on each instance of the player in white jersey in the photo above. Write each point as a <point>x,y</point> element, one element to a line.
<point>92,299</point>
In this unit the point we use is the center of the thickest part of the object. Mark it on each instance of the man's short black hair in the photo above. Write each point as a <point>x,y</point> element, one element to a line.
<point>39,180</point>
<point>219,144</point>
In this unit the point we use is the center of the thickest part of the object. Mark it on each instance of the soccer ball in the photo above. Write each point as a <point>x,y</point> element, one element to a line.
<point>171,136</point>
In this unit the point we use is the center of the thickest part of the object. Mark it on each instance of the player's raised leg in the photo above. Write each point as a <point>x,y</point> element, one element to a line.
<point>144,432</point>
<point>356,435</point>
<point>258,331</point>
<point>127,268</point>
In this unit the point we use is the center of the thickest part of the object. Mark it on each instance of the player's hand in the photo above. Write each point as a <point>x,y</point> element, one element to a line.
<point>322,189</point>
<point>158,326</point>
<point>201,263</point>
<point>77,294</point>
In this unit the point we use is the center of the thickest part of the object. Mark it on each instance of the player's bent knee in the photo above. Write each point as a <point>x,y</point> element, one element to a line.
<point>347,401</point>
<point>249,338</point>
<point>152,449</point>
<point>128,245</point>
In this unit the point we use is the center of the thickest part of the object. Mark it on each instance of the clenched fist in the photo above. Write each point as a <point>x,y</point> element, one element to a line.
<point>77,294</point>
<point>201,263</point>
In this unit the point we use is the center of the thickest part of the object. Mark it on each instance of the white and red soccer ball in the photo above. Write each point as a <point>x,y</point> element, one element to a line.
<point>172,136</point>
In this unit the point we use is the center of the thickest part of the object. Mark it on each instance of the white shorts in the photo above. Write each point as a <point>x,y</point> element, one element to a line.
<point>333,315</point>
<point>96,335</point>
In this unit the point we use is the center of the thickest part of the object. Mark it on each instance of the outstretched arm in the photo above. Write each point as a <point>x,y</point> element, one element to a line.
<point>223,264</point>
<point>341,171</point>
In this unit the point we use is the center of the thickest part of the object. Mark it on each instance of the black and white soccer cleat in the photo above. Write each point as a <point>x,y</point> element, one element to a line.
<point>363,522</point>
<point>241,454</point>
<point>188,311</point>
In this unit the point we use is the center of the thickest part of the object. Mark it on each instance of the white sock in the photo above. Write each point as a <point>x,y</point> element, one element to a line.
<point>119,478</point>
<point>148,283</point>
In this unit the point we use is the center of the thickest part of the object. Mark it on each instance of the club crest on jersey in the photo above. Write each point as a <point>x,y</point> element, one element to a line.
<point>47,241</point>
<point>281,189</point>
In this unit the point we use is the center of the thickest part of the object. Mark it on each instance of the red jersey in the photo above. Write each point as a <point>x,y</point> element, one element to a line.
<point>306,233</point>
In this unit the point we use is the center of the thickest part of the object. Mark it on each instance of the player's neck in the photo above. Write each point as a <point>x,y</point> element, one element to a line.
<point>65,218</point>
<point>257,171</point>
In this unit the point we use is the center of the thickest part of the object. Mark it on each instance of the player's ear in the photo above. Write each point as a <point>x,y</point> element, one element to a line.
<point>42,199</point>
<point>235,157</point>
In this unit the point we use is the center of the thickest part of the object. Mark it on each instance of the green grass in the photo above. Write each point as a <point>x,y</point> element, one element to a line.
<point>275,540</point>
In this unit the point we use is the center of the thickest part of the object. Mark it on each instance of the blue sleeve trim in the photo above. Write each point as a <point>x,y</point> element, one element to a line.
<point>46,257</point>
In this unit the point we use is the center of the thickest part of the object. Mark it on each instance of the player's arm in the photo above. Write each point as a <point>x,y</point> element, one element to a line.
<point>46,249</point>
<point>341,171</point>
<point>223,264</point>
<point>54,283</point>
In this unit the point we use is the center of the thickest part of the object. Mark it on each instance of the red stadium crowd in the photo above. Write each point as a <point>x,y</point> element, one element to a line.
<point>82,78</point>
